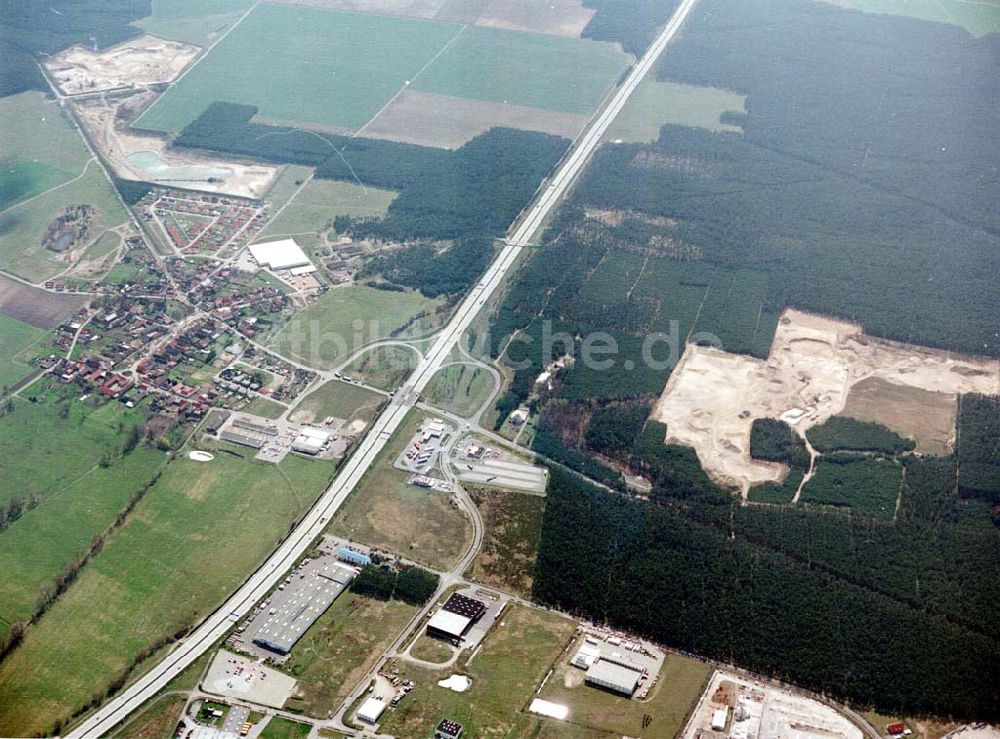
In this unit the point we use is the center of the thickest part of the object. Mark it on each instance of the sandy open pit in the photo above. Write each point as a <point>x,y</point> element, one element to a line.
<point>143,61</point>
<point>149,158</point>
<point>712,397</point>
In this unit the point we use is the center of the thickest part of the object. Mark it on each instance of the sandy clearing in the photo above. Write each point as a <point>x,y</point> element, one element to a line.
<point>444,121</point>
<point>409,8</point>
<point>106,122</point>
<point>139,62</point>
<point>556,17</point>
<point>712,397</point>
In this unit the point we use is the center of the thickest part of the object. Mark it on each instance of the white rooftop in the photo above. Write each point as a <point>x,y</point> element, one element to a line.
<point>370,710</point>
<point>282,254</point>
<point>449,623</point>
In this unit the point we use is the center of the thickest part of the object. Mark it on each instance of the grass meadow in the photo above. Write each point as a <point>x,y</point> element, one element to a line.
<point>354,314</point>
<point>198,22</point>
<point>19,343</point>
<point>189,542</point>
<point>655,104</point>
<point>460,388</point>
<point>312,211</point>
<point>340,400</point>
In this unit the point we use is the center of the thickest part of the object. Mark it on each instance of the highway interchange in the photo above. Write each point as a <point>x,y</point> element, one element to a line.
<point>267,576</point>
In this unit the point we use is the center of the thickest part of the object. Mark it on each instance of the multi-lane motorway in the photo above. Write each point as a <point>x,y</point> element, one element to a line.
<point>312,524</point>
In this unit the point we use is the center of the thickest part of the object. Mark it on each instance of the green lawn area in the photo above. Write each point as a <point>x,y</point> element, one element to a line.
<point>316,67</point>
<point>867,486</point>
<point>264,407</point>
<point>384,367</point>
<point>38,150</point>
<point>104,246</point>
<point>198,22</point>
<point>559,73</point>
<point>978,18</point>
<point>460,388</point>
<point>41,544</point>
<point>282,728</point>
<point>514,659</point>
<point>19,343</point>
<point>186,546</point>
<point>314,208</point>
<point>327,330</point>
<point>22,226</point>
<point>655,103</point>
<point>431,650</point>
<point>340,648</point>
<point>339,400</point>
<point>386,512</point>
<point>594,713</point>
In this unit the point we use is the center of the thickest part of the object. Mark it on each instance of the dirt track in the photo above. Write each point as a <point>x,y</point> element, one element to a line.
<point>712,397</point>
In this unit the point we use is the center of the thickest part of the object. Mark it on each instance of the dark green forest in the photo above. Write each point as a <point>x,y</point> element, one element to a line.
<point>691,576</point>
<point>979,448</point>
<point>775,441</point>
<point>633,23</point>
<point>434,270</point>
<point>859,191</point>
<point>849,434</point>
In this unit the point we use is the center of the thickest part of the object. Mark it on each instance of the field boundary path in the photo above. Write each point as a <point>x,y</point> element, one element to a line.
<point>314,522</point>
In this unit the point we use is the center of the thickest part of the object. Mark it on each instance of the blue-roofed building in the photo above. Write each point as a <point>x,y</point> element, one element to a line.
<point>355,558</point>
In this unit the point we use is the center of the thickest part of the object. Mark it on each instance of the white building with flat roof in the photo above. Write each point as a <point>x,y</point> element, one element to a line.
<point>371,710</point>
<point>281,254</point>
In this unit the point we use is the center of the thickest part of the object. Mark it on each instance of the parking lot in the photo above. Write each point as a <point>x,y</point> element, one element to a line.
<point>242,678</point>
<point>483,465</point>
<point>425,447</point>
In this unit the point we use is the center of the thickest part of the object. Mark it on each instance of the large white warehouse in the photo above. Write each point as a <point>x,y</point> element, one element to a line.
<point>282,254</point>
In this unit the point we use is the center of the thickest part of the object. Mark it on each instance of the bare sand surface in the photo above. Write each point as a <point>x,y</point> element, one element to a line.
<point>712,397</point>
<point>139,62</point>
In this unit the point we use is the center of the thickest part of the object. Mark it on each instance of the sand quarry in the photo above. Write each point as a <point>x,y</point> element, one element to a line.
<point>143,61</point>
<point>137,156</point>
<point>817,367</point>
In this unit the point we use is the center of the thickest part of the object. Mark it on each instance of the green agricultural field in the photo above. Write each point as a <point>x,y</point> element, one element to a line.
<point>978,18</point>
<point>598,713</point>
<point>312,211</point>
<point>655,104</point>
<point>867,486</point>
<point>461,389</point>
<point>385,512</point>
<point>558,73</point>
<point>187,544</point>
<point>39,148</point>
<point>340,400</point>
<point>505,673</point>
<point>345,319</point>
<point>315,67</point>
<point>41,545</point>
<point>340,648</point>
<point>198,22</point>
<point>282,728</point>
<point>384,367</point>
<point>19,343</point>
<point>22,226</point>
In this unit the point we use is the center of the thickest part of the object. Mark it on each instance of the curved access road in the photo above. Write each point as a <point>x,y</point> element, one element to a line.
<point>267,576</point>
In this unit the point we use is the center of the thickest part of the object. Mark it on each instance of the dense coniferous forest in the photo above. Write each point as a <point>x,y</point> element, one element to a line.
<point>850,434</point>
<point>682,575</point>
<point>774,441</point>
<point>979,448</point>
<point>33,27</point>
<point>837,149</point>
<point>433,270</point>
<point>633,23</point>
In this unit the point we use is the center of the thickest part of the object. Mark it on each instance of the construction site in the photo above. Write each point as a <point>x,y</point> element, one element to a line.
<point>813,368</point>
<point>734,707</point>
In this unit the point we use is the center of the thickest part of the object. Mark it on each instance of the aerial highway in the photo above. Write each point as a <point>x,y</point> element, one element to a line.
<point>267,576</point>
